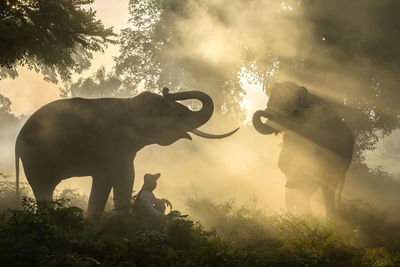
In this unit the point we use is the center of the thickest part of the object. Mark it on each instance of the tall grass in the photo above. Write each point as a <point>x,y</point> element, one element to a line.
<point>214,234</point>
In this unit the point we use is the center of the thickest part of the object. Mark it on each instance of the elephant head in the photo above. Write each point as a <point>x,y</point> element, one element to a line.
<point>286,100</point>
<point>165,120</point>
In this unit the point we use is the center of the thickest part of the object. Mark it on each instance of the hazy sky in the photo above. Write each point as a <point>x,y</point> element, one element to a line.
<point>29,91</point>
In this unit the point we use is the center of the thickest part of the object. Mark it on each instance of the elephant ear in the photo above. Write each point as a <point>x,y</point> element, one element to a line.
<point>302,102</point>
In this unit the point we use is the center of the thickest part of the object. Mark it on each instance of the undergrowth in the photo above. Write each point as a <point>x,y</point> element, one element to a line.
<point>58,234</point>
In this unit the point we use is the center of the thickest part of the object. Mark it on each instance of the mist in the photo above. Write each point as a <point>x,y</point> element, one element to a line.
<point>212,39</point>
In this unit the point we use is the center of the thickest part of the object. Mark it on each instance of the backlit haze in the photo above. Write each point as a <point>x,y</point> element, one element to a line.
<point>239,167</point>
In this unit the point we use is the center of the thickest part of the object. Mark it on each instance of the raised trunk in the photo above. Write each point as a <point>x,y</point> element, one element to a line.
<point>261,127</point>
<point>201,116</point>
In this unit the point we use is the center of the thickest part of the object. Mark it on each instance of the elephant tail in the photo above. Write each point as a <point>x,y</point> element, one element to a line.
<point>17,169</point>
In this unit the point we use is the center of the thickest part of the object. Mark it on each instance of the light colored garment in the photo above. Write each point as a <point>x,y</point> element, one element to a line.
<point>144,204</point>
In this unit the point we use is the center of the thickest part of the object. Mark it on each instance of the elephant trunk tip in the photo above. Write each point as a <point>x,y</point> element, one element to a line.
<point>165,91</point>
<point>261,127</point>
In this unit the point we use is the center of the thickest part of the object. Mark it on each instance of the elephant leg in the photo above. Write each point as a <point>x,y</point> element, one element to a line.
<point>329,198</point>
<point>101,188</point>
<point>122,189</point>
<point>339,192</point>
<point>43,189</point>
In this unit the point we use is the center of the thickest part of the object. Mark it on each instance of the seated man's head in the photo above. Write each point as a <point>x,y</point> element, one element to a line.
<point>150,181</point>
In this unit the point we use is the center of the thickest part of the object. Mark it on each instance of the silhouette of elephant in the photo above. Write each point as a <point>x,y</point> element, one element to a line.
<point>100,138</point>
<point>317,145</point>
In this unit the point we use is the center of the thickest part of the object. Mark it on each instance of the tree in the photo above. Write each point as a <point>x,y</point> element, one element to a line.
<point>344,51</point>
<point>153,52</point>
<point>9,125</point>
<point>352,50</point>
<point>99,85</point>
<point>51,36</point>
<point>6,118</point>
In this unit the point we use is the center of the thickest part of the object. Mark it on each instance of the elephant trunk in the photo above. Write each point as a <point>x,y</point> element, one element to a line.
<point>201,116</point>
<point>261,127</point>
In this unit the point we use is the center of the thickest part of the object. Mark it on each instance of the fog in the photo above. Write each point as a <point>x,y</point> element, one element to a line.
<point>215,34</point>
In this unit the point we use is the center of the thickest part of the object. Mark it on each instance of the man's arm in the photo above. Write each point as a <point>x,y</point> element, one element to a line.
<point>165,201</point>
<point>148,202</point>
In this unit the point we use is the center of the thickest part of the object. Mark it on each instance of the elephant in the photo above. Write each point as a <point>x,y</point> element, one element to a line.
<point>317,145</point>
<point>100,138</point>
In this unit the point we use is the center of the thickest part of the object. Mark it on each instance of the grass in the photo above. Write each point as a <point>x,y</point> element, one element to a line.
<point>214,234</point>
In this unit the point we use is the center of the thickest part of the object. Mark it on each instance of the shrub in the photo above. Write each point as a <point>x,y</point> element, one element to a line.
<point>57,233</point>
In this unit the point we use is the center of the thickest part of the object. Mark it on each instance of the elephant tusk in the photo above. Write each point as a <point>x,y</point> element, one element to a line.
<point>187,136</point>
<point>213,136</point>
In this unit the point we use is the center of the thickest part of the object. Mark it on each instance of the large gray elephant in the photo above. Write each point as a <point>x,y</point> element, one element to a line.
<point>317,145</point>
<point>100,138</point>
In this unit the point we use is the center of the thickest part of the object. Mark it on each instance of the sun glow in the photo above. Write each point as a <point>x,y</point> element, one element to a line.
<point>255,97</point>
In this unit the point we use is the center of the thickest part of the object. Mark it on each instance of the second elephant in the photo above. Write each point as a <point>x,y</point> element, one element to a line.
<point>317,145</point>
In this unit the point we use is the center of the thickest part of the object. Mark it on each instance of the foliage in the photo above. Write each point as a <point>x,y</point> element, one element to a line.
<point>51,36</point>
<point>7,120</point>
<point>336,57</point>
<point>169,43</point>
<point>8,198</point>
<point>374,186</point>
<point>73,198</point>
<point>48,234</point>
<point>360,237</point>
<point>361,66</point>
<point>339,39</point>
<point>152,51</point>
<point>5,104</point>
<point>270,239</point>
<point>56,233</point>
<point>5,112</point>
<point>99,85</point>
<point>9,126</point>
<point>244,226</point>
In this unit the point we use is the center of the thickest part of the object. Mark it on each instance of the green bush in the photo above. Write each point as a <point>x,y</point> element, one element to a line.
<point>266,239</point>
<point>58,234</point>
<point>52,234</point>
<point>8,196</point>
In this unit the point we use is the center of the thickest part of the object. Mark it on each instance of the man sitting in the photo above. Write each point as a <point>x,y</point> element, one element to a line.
<point>146,204</point>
